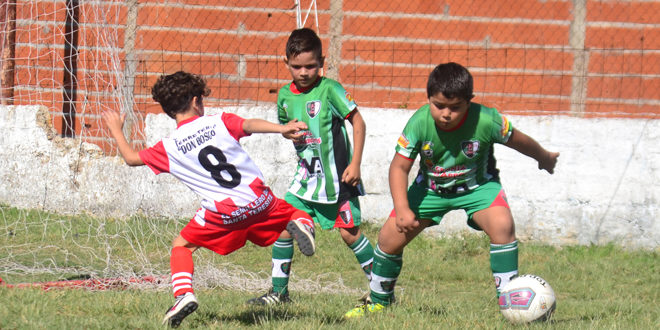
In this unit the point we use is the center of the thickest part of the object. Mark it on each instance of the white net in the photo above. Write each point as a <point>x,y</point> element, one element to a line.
<point>45,250</point>
<point>77,59</point>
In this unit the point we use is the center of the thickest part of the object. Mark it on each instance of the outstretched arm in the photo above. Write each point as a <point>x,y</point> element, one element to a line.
<point>114,121</point>
<point>352,172</point>
<point>524,144</point>
<point>290,131</point>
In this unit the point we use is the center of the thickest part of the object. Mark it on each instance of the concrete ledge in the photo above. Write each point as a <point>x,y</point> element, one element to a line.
<point>604,189</point>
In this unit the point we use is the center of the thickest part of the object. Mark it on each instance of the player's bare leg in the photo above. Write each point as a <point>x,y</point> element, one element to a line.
<point>350,235</point>
<point>392,241</point>
<point>497,223</point>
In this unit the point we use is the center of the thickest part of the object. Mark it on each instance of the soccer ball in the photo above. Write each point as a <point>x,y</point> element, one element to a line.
<point>527,298</point>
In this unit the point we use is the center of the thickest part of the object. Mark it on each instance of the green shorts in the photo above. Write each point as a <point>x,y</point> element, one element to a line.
<point>339,215</point>
<point>427,204</point>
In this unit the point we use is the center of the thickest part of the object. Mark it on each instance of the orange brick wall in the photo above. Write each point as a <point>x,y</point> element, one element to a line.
<point>519,51</point>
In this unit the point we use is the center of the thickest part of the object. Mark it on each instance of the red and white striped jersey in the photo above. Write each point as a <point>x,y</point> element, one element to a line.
<point>204,153</point>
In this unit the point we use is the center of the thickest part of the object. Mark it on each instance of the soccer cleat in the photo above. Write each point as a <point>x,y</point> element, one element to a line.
<point>183,306</point>
<point>361,310</point>
<point>304,235</point>
<point>270,298</point>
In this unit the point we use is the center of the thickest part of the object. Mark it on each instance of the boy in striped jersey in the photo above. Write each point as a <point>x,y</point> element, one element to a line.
<point>454,138</point>
<point>204,153</point>
<point>327,181</point>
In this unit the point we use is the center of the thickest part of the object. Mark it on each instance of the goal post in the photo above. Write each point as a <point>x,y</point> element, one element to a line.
<point>312,8</point>
<point>300,22</point>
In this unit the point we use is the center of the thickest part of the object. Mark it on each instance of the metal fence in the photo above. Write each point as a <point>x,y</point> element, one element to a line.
<point>581,58</point>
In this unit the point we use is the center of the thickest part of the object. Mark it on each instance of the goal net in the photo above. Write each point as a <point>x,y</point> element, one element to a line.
<point>77,59</point>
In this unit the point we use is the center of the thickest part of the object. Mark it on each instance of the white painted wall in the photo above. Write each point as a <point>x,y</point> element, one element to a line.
<point>604,189</point>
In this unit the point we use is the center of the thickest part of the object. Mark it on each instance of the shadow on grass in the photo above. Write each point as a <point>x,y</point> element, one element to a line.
<point>259,315</point>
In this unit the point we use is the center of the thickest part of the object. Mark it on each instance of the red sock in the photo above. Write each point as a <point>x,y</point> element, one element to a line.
<point>181,266</point>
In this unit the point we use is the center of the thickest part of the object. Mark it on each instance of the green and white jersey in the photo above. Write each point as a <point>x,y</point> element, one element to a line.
<point>458,160</point>
<point>325,151</point>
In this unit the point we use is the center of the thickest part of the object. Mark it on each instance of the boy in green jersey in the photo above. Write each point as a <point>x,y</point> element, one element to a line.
<point>327,180</point>
<point>454,138</point>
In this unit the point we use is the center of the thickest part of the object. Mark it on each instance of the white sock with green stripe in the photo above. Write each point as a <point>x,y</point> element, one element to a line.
<point>384,275</point>
<point>364,253</point>
<point>504,263</point>
<point>281,262</point>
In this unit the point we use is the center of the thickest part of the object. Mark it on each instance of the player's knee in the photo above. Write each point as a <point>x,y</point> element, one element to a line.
<point>503,235</point>
<point>285,234</point>
<point>350,235</point>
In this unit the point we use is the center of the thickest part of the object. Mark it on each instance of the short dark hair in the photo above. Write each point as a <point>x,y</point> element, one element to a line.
<point>452,80</point>
<point>302,41</point>
<point>175,92</point>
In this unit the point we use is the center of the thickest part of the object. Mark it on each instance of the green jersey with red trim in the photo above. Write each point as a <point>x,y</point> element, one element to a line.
<point>457,160</point>
<point>325,150</point>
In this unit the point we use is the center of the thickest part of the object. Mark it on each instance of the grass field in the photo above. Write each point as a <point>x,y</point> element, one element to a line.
<point>445,283</point>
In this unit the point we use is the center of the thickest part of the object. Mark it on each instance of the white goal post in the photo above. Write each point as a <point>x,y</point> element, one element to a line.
<point>300,22</point>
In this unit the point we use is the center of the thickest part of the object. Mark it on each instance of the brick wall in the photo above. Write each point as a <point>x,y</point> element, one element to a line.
<point>578,58</point>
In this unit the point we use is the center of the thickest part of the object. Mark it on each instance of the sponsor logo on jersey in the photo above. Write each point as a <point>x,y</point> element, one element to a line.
<point>313,108</point>
<point>450,172</point>
<point>313,167</point>
<point>307,140</point>
<point>427,149</point>
<point>196,139</point>
<point>470,148</point>
<point>253,208</point>
<point>403,141</point>
<point>505,126</point>
<point>349,97</point>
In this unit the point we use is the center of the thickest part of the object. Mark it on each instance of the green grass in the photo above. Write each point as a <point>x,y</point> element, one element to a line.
<point>445,283</point>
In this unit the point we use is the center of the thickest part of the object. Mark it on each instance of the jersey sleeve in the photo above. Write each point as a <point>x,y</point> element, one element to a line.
<point>409,141</point>
<point>502,128</point>
<point>282,115</point>
<point>156,158</point>
<point>234,124</point>
<point>342,102</point>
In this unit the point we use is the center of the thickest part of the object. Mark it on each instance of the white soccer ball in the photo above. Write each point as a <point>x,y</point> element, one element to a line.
<point>527,298</point>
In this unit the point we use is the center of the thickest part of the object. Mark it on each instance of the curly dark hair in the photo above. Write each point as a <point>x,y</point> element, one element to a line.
<point>302,41</point>
<point>175,92</point>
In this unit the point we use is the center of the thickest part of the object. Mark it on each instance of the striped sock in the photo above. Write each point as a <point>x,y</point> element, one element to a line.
<point>504,263</point>
<point>281,263</point>
<point>182,269</point>
<point>385,272</point>
<point>364,253</point>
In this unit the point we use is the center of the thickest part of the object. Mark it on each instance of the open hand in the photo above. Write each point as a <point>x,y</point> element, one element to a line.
<point>114,121</point>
